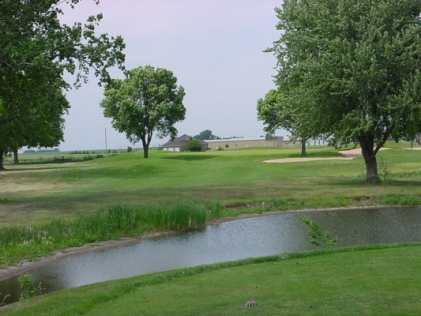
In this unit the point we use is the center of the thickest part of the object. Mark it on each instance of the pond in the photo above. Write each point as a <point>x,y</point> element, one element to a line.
<point>234,240</point>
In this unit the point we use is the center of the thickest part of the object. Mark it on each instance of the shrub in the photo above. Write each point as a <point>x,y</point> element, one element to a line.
<point>194,145</point>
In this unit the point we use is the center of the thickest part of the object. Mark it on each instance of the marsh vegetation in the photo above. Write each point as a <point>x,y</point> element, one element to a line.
<point>34,240</point>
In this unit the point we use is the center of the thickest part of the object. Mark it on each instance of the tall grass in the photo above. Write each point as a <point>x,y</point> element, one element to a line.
<point>402,200</point>
<point>178,215</point>
<point>215,209</point>
<point>19,242</point>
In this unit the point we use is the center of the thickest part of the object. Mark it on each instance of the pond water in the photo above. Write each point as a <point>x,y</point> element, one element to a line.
<point>239,239</point>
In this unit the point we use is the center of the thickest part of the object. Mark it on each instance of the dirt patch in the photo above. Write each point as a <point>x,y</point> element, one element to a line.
<point>362,199</point>
<point>351,153</point>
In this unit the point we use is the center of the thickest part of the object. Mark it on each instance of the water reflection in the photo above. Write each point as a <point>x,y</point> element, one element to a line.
<point>253,237</point>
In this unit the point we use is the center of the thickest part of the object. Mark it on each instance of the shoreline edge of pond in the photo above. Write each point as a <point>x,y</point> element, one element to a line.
<point>62,254</point>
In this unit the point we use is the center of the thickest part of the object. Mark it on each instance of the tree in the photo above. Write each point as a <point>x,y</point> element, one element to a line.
<point>205,135</point>
<point>36,50</point>
<point>147,100</point>
<point>355,67</point>
<point>41,127</point>
<point>194,145</point>
<point>277,112</point>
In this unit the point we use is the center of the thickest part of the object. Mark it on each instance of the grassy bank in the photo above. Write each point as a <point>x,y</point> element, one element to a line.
<point>366,280</point>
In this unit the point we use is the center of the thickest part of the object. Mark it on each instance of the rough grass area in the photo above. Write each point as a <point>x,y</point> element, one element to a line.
<point>365,280</point>
<point>32,241</point>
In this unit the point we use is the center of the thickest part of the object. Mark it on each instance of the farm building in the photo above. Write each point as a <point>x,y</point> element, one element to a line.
<point>233,143</point>
<point>180,144</point>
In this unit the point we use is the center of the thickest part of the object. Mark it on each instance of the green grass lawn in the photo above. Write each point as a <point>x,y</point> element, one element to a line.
<point>375,282</point>
<point>39,191</point>
<point>361,281</point>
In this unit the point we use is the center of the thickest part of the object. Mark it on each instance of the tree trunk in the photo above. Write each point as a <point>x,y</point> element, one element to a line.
<point>367,149</point>
<point>1,159</point>
<point>303,148</point>
<point>15,157</point>
<point>145,148</point>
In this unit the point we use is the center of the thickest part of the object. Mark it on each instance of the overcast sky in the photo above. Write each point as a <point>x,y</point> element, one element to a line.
<point>213,47</point>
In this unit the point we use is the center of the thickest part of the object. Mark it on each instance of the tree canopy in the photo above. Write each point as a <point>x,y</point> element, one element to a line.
<point>205,135</point>
<point>277,112</point>
<point>148,100</point>
<point>36,50</point>
<point>353,68</point>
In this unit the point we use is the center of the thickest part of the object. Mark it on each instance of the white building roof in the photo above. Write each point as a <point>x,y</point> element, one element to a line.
<point>233,140</point>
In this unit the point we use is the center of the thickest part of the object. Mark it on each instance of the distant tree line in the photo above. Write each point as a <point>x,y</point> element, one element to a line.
<point>208,135</point>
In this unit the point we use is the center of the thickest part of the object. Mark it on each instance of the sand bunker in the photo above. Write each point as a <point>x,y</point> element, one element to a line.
<point>285,160</point>
<point>346,155</point>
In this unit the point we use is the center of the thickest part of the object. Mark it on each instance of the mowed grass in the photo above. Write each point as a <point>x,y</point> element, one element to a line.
<point>369,280</point>
<point>366,280</point>
<point>39,191</point>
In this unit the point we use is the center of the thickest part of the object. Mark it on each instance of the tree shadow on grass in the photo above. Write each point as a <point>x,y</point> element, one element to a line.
<point>191,157</point>
<point>29,168</point>
<point>56,164</point>
<point>390,183</point>
<point>323,154</point>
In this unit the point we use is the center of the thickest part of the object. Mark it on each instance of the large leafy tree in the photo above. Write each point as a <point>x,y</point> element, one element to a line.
<point>36,50</point>
<point>205,135</point>
<point>278,112</point>
<point>43,126</point>
<point>355,66</point>
<point>148,100</point>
